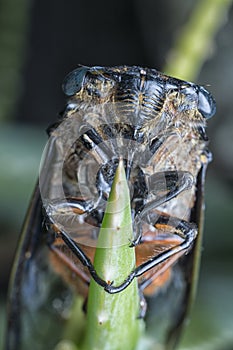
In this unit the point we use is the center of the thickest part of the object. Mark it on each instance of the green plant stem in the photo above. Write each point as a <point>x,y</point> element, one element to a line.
<point>112,319</point>
<point>196,40</point>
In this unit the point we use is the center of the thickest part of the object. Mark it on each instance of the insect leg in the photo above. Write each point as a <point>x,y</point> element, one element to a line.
<point>165,185</point>
<point>78,252</point>
<point>171,225</point>
<point>184,230</point>
<point>87,262</point>
<point>77,205</point>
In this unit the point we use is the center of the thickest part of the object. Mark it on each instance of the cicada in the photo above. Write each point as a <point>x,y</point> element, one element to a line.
<point>157,125</point>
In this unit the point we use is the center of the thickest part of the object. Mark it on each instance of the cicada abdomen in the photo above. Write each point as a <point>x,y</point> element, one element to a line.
<point>157,125</point>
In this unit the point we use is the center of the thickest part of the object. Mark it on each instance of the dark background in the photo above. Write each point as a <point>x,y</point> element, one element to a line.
<point>40,42</point>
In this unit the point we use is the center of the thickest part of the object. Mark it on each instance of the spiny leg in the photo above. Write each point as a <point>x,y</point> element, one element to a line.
<point>184,230</point>
<point>169,233</point>
<point>170,184</point>
<point>170,226</point>
<point>79,253</point>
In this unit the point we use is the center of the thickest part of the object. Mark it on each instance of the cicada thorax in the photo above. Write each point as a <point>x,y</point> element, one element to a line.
<point>144,186</point>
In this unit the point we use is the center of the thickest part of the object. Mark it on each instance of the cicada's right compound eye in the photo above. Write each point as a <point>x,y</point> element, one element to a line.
<point>73,82</point>
<point>206,103</point>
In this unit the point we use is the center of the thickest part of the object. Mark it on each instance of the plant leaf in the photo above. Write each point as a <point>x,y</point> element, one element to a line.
<point>112,319</point>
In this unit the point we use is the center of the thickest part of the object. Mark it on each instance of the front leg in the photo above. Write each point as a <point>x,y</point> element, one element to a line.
<point>165,186</point>
<point>172,238</point>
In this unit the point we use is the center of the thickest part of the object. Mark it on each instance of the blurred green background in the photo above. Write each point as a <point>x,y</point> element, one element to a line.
<point>40,42</point>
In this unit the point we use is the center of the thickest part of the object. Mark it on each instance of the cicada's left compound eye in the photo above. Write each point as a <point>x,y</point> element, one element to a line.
<point>206,103</point>
<point>73,82</point>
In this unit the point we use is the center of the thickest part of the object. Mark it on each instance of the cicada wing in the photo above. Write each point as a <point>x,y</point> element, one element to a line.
<point>189,265</point>
<point>170,302</point>
<point>38,299</point>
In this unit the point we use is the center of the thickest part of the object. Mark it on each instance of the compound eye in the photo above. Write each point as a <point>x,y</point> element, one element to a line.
<point>206,103</point>
<point>73,82</point>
